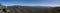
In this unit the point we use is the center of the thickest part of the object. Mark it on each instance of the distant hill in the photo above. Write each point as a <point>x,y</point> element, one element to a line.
<point>29,9</point>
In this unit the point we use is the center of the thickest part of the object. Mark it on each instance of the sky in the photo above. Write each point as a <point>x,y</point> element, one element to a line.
<point>30,2</point>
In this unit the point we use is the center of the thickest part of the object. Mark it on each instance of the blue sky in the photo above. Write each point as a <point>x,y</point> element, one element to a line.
<point>31,2</point>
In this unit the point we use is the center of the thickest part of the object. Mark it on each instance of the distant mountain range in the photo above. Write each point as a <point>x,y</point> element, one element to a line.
<point>37,9</point>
